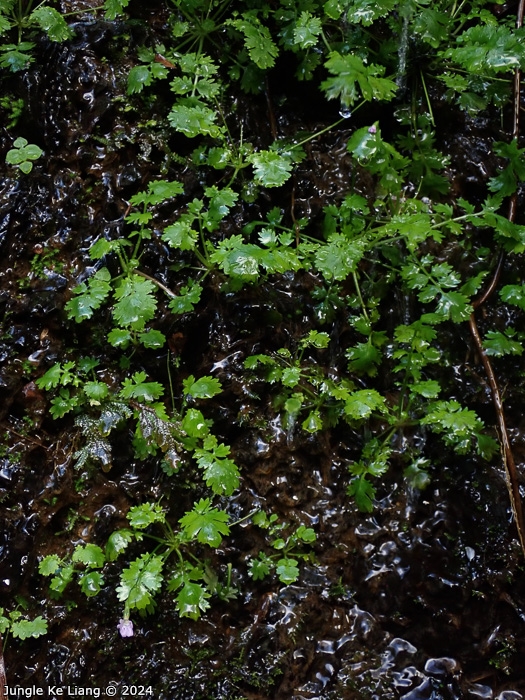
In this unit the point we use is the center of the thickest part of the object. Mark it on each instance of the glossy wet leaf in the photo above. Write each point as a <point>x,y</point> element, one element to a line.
<point>193,121</point>
<point>23,629</point>
<point>91,583</point>
<point>287,570</point>
<point>52,22</point>
<point>307,30</point>
<point>203,388</point>
<point>138,78</point>
<point>489,48</point>
<point>145,514</point>
<point>49,565</point>
<point>89,554</point>
<point>138,388</point>
<point>313,422</point>
<point>499,344</point>
<point>136,303</point>
<point>352,76</point>
<point>118,542</point>
<point>194,424</point>
<point>514,294</point>
<point>63,403</point>
<point>152,339</point>
<point>206,524</point>
<point>16,57</point>
<point>140,581</point>
<point>363,493</point>
<point>270,168</point>
<point>366,11</point>
<point>361,404</point>
<point>192,600</point>
<point>290,376</point>
<point>257,39</point>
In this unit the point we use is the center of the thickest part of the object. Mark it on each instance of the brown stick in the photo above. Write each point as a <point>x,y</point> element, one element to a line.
<point>3,680</point>
<point>511,472</point>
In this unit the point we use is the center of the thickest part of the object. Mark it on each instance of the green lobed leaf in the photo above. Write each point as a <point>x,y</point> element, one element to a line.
<point>220,474</point>
<point>339,257</point>
<point>96,392</point>
<point>91,583</point>
<point>138,78</point>
<point>361,404</point>
<point>137,388</point>
<point>193,121</point>
<point>500,344</point>
<point>23,629</point>
<point>513,294</point>
<point>117,542</point>
<point>203,388</point>
<point>307,30</point>
<point>188,297</point>
<point>49,565</point>
<point>52,23</point>
<point>145,514</point>
<point>287,570</point>
<point>260,568</point>
<point>192,600</point>
<point>140,581</point>
<point>257,39</point>
<point>363,492</point>
<point>270,168</point>
<point>351,73</point>
<point>113,8</point>
<point>90,554</point>
<point>206,524</point>
<point>136,304</point>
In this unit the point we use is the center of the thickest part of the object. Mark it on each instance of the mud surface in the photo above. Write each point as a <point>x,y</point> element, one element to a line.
<point>422,600</point>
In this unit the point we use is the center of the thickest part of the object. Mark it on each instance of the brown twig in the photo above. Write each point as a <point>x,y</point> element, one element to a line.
<point>23,437</point>
<point>271,113</point>
<point>511,472</point>
<point>155,281</point>
<point>3,680</point>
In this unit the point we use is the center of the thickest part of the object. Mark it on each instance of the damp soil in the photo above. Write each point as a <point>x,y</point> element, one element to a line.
<point>422,600</point>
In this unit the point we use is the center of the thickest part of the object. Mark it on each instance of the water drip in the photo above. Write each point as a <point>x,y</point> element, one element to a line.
<point>402,53</point>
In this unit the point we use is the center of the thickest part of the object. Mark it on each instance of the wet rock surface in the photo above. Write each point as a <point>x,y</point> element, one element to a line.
<point>422,600</point>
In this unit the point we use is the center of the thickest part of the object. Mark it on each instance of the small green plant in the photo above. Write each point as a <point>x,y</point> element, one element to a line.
<point>174,561</point>
<point>23,154</point>
<point>20,20</point>
<point>18,626</point>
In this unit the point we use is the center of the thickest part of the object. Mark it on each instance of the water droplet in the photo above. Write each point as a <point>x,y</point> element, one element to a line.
<point>345,112</point>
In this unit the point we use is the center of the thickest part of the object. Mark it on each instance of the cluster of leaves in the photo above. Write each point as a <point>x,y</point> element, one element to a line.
<point>18,626</point>
<point>174,562</point>
<point>388,238</point>
<point>20,22</point>
<point>100,409</point>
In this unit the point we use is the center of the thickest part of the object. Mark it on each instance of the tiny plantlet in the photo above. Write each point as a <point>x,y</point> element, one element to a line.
<point>23,155</point>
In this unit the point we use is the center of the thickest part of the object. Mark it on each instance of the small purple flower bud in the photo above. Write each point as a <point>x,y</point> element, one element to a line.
<point>372,129</point>
<point>125,627</point>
